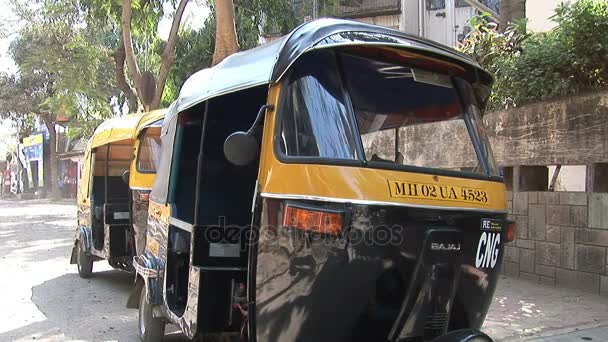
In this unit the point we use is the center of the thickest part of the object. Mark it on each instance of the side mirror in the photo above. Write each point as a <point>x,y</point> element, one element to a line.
<point>241,148</point>
<point>125,177</point>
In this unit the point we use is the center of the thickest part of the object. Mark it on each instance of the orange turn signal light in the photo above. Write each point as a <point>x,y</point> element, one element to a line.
<point>510,232</point>
<point>318,221</point>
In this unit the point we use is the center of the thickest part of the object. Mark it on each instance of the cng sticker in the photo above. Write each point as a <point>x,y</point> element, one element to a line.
<point>487,250</point>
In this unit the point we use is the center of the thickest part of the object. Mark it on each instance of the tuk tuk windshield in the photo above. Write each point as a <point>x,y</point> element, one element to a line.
<point>403,115</point>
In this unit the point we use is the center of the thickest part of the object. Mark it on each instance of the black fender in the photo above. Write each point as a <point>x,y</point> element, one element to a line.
<point>464,335</point>
<point>82,234</point>
<point>147,272</point>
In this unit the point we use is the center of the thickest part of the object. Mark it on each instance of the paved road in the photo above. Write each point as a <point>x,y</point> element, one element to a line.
<point>42,297</point>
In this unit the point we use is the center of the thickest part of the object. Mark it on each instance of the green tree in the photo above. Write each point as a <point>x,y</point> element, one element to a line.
<point>63,68</point>
<point>22,98</point>
<point>253,18</point>
<point>570,59</point>
<point>148,87</point>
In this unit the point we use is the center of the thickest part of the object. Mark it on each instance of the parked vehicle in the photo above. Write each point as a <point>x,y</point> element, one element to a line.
<point>120,165</point>
<point>308,191</point>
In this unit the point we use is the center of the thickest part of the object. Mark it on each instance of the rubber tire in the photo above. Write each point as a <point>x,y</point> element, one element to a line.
<point>84,262</point>
<point>151,329</point>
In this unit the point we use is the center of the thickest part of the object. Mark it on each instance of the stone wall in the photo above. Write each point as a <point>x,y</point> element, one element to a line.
<point>568,131</point>
<point>562,239</point>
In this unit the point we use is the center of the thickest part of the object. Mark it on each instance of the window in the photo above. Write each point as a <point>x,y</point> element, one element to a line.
<point>433,5</point>
<point>316,122</point>
<point>148,159</point>
<point>419,111</point>
<point>395,114</point>
<point>160,189</point>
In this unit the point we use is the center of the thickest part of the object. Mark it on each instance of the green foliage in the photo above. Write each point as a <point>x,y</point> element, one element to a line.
<point>68,65</point>
<point>65,53</point>
<point>19,99</point>
<point>194,50</point>
<point>570,59</point>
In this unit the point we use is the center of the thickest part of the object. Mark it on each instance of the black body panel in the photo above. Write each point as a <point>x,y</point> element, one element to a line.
<point>396,274</point>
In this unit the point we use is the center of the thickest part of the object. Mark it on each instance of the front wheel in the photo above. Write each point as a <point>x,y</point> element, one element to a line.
<point>151,329</point>
<point>84,261</point>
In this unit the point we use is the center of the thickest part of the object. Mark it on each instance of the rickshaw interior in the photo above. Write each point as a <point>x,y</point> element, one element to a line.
<point>110,197</point>
<point>224,204</point>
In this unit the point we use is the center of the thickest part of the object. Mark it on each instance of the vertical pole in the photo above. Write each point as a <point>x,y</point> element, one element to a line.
<point>315,9</point>
<point>554,178</point>
<point>199,168</point>
<point>590,178</point>
<point>421,11</point>
<point>105,178</point>
<point>516,178</point>
<point>397,145</point>
<point>451,13</point>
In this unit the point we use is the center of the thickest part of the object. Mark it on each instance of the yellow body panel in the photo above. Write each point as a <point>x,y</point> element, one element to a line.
<point>139,180</point>
<point>159,212</point>
<point>116,129</point>
<point>120,130</point>
<point>83,184</point>
<point>358,184</point>
<point>149,118</point>
<point>125,127</point>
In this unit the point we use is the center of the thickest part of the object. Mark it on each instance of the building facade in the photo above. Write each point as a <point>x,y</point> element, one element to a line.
<point>444,21</point>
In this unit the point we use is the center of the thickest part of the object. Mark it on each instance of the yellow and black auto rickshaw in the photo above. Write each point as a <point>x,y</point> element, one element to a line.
<point>117,176</point>
<point>333,185</point>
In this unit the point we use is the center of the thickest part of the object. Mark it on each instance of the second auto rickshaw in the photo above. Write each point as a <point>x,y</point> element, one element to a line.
<point>119,168</point>
<point>333,185</point>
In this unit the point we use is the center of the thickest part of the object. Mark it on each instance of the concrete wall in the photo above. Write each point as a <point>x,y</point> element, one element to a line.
<point>561,239</point>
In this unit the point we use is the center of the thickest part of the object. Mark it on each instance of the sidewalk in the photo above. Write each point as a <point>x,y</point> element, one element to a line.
<point>522,310</point>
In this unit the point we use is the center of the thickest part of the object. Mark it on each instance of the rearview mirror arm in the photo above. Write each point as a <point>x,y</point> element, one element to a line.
<point>258,118</point>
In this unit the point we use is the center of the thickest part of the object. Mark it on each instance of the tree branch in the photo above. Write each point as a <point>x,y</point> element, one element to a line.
<point>168,54</point>
<point>121,79</point>
<point>125,24</point>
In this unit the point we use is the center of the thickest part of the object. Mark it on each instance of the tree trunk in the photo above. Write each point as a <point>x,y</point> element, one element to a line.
<point>510,11</point>
<point>225,35</point>
<point>50,125</point>
<point>168,54</point>
<point>518,9</point>
<point>125,25</point>
<point>121,80</point>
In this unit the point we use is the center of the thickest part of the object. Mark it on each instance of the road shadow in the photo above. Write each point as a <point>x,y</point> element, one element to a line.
<point>85,309</point>
<point>82,309</point>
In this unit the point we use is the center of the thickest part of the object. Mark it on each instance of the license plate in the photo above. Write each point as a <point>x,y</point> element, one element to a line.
<point>402,189</point>
<point>121,215</point>
<point>224,250</point>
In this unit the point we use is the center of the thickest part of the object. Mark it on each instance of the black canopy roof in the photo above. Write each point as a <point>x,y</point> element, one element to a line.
<point>268,63</point>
